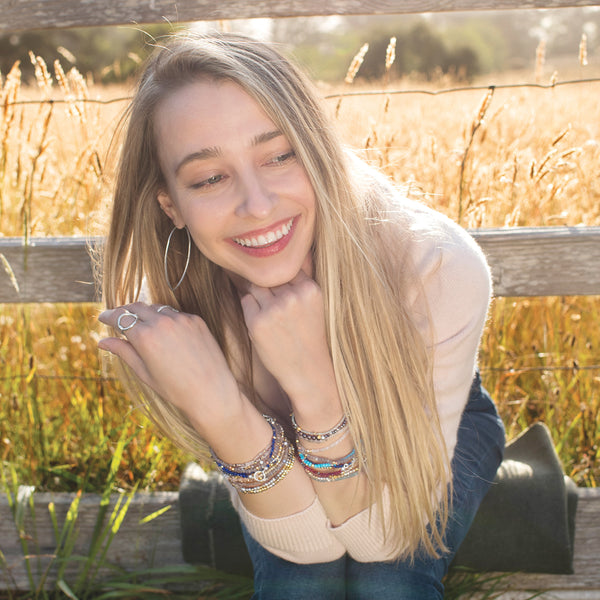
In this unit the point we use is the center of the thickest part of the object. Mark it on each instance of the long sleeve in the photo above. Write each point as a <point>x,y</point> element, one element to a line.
<point>301,538</point>
<point>456,285</point>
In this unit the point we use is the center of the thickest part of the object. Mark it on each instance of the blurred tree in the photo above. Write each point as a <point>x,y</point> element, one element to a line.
<point>323,46</point>
<point>107,53</point>
<point>420,48</point>
<point>479,42</point>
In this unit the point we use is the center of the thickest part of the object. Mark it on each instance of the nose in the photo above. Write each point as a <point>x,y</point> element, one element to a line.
<point>256,200</point>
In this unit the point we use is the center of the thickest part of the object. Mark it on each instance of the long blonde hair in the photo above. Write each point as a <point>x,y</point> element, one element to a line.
<point>382,366</point>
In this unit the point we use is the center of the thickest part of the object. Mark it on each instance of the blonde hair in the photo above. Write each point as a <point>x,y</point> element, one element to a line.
<point>382,366</point>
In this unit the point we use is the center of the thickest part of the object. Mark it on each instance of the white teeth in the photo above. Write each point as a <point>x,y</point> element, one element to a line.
<point>267,238</point>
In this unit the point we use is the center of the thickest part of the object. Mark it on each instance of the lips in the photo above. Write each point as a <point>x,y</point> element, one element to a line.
<point>267,238</point>
<point>266,242</point>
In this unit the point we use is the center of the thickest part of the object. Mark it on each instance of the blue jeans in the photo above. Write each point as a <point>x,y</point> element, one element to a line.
<point>477,456</point>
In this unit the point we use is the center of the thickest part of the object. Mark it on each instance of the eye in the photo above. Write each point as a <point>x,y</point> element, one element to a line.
<point>283,158</point>
<point>211,181</point>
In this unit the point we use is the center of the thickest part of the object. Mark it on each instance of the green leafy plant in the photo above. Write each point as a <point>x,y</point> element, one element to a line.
<point>66,573</point>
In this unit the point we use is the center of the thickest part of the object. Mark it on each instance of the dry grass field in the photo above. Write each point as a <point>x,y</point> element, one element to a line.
<point>518,157</point>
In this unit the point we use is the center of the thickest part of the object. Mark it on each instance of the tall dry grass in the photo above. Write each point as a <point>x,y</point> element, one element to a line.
<point>53,177</point>
<point>520,157</point>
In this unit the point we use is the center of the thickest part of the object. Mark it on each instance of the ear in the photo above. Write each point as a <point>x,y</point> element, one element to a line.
<point>170,209</point>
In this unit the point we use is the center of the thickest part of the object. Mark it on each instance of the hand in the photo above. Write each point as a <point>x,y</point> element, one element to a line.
<point>176,355</point>
<point>287,327</point>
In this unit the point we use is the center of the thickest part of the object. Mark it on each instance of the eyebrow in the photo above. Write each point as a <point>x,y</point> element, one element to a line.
<point>215,152</point>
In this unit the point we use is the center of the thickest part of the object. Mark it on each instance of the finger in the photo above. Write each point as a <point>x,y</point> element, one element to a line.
<point>300,278</point>
<point>125,351</point>
<point>118,318</point>
<point>262,295</point>
<point>166,308</point>
<point>250,308</point>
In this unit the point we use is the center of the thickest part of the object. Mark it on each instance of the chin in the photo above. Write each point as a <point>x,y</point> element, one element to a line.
<point>273,279</point>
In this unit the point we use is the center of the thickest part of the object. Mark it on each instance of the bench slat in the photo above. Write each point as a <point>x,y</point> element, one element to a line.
<point>545,261</point>
<point>139,546</point>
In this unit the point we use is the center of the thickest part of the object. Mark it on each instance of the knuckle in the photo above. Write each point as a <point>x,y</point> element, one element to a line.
<point>134,306</point>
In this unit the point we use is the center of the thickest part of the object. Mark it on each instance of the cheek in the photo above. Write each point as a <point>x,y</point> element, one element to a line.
<point>305,191</point>
<point>209,226</point>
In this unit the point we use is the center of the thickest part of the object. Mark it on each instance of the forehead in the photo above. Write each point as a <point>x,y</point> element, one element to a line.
<point>206,99</point>
<point>207,114</point>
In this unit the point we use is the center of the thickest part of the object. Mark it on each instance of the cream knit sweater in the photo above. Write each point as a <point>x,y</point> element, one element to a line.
<point>456,283</point>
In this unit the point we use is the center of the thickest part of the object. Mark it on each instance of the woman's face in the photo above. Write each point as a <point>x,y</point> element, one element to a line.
<point>234,180</point>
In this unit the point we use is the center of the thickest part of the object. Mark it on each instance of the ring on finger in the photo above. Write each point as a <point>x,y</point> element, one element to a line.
<point>165,306</point>
<point>124,328</point>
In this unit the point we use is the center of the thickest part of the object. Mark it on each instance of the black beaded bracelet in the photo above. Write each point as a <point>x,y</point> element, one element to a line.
<point>319,436</point>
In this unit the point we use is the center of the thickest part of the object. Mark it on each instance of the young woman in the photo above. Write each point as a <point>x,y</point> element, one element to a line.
<point>303,321</point>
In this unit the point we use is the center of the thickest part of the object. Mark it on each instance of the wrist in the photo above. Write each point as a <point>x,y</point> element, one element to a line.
<point>241,437</point>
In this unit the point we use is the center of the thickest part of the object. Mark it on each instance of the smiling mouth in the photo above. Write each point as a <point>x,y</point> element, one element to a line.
<point>266,239</point>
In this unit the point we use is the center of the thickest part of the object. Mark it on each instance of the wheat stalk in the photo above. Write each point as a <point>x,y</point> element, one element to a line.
<point>42,76</point>
<point>355,64</point>
<point>475,125</point>
<point>583,61</point>
<point>540,59</point>
<point>390,54</point>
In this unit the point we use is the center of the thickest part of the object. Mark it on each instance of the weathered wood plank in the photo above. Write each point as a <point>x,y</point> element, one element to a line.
<point>543,261</point>
<point>46,270</point>
<point>136,545</point>
<point>158,543</point>
<point>42,14</point>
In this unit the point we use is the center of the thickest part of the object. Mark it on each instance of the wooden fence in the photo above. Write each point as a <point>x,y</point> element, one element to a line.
<point>42,14</point>
<point>524,261</point>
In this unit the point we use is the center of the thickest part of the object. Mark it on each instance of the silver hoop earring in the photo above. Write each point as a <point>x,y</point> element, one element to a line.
<point>187,261</point>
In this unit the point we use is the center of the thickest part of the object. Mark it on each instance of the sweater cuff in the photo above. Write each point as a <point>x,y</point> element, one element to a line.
<point>301,538</point>
<point>362,534</point>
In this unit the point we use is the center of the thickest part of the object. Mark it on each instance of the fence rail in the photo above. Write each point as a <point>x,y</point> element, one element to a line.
<point>525,261</point>
<point>46,14</point>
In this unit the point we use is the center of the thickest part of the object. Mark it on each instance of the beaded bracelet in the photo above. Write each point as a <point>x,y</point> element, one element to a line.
<point>323,469</point>
<point>266,469</point>
<point>263,472</point>
<point>285,468</point>
<point>324,448</point>
<point>259,461</point>
<point>318,436</point>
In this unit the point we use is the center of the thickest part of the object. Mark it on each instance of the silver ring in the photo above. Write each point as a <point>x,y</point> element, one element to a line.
<point>122,328</point>
<point>161,308</point>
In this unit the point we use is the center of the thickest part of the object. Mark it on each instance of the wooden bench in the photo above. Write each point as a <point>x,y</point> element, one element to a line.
<point>525,262</point>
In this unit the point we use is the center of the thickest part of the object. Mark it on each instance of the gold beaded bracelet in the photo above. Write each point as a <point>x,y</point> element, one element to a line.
<point>266,469</point>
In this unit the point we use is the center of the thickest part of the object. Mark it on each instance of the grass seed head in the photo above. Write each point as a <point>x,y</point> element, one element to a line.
<point>540,60</point>
<point>390,54</point>
<point>357,61</point>
<point>583,61</point>
<point>42,76</point>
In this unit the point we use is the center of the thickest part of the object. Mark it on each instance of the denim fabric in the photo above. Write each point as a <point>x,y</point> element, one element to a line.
<point>477,456</point>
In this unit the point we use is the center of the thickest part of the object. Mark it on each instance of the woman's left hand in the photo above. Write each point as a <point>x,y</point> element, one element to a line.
<point>287,327</point>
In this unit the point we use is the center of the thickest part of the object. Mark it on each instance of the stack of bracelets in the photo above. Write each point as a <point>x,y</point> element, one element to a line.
<point>265,470</point>
<point>318,467</point>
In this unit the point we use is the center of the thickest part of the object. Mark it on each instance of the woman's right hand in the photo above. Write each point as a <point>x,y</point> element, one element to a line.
<point>177,356</point>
